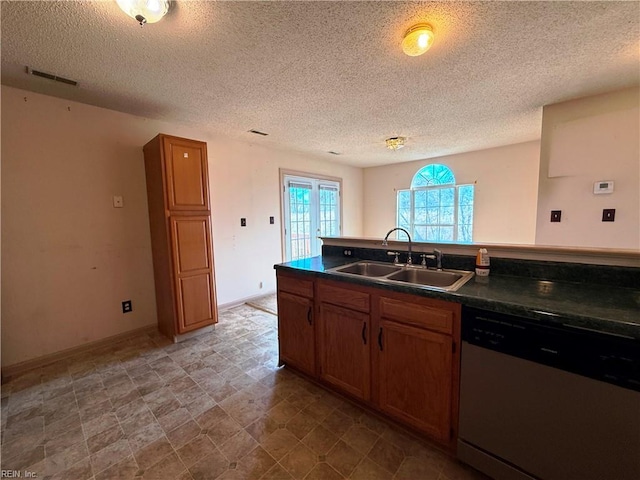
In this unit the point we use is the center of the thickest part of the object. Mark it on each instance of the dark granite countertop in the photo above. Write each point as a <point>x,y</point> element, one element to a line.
<point>614,310</point>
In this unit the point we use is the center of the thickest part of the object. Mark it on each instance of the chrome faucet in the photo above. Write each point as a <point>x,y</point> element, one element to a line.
<point>384,242</point>
<point>436,255</point>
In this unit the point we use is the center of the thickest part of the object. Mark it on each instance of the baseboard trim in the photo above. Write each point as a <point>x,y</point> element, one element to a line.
<point>242,301</point>
<point>18,368</point>
<point>260,307</point>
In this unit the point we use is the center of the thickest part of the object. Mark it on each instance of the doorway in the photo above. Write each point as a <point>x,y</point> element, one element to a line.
<point>312,208</point>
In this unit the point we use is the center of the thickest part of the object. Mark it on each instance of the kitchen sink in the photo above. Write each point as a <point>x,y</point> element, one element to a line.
<point>369,269</point>
<point>447,280</point>
<point>426,277</point>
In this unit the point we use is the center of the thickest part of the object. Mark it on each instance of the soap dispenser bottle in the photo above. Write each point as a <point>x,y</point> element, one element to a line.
<point>482,263</point>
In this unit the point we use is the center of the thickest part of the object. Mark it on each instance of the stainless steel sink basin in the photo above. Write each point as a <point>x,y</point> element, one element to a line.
<point>369,269</point>
<point>447,280</point>
<point>426,277</point>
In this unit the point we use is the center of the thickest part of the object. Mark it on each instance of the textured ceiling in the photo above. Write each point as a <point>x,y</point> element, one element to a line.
<point>330,76</point>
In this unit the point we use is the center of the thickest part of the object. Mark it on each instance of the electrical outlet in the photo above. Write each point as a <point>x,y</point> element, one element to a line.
<point>260,285</point>
<point>126,306</point>
<point>243,222</point>
<point>609,215</point>
<point>272,220</point>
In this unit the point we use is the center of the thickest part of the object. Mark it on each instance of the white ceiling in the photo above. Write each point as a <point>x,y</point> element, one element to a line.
<point>321,76</point>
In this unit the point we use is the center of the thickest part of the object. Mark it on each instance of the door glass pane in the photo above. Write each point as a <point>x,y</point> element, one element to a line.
<point>329,209</point>
<point>300,220</point>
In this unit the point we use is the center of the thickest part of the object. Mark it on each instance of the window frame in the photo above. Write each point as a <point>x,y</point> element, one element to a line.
<point>411,226</point>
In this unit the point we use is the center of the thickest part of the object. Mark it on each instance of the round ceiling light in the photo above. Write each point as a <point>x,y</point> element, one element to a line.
<point>395,143</point>
<point>417,40</point>
<point>145,11</point>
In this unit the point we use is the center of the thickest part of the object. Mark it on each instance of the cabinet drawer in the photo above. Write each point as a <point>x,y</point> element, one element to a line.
<point>433,318</point>
<point>344,297</point>
<point>296,285</point>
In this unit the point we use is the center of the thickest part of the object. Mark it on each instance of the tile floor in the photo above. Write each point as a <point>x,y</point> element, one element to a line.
<point>213,407</point>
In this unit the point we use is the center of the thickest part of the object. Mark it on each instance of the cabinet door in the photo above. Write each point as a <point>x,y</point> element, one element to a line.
<point>344,349</point>
<point>186,172</point>
<point>296,337</point>
<point>415,377</point>
<point>193,272</point>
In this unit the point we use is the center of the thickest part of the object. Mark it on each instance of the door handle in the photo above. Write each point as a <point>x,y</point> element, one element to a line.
<point>364,333</point>
<point>309,316</point>
<point>380,339</point>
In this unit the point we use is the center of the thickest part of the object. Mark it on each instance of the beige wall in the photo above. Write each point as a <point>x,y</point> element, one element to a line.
<point>506,183</point>
<point>585,141</point>
<point>69,258</point>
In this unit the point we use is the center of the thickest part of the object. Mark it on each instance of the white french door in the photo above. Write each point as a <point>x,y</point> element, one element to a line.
<point>311,210</point>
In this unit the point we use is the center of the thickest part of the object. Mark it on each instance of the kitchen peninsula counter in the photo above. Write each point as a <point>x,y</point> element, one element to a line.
<point>605,309</point>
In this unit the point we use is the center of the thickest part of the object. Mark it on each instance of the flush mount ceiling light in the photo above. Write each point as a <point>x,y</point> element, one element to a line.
<point>417,40</point>
<point>145,11</point>
<point>395,143</point>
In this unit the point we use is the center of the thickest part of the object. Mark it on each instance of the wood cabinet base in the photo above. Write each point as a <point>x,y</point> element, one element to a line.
<point>394,353</point>
<point>180,223</point>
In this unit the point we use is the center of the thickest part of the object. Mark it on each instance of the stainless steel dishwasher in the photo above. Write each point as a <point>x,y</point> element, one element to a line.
<point>549,402</point>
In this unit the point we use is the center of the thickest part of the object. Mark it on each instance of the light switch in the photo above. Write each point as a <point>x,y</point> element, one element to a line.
<point>118,201</point>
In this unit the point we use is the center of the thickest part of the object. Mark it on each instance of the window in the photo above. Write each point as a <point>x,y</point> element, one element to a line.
<point>311,210</point>
<point>435,209</point>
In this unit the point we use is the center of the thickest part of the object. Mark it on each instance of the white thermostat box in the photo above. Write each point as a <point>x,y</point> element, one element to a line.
<point>605,186</point>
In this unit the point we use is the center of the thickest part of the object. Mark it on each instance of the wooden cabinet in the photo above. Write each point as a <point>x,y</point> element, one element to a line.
<point>296,323</point>
<point>180,223</point>
<point>344,328</point>
<point>415,377</point>
<point>343,344</point>
<point>396,352</point>
<point>416,363</point>
<point>186,173</point>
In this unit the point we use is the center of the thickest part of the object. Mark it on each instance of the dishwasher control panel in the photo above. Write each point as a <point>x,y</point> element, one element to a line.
<point>601,356</point>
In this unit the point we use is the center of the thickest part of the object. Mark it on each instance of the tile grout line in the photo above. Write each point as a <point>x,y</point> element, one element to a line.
<point>245,345</point>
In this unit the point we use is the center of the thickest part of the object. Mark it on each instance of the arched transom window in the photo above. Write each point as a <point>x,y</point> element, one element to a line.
<point>435,209</point>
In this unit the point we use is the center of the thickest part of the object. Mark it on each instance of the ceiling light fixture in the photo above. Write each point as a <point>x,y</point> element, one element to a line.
<point>395,143</point>
<point>145,11</point>
<point>417,40</point>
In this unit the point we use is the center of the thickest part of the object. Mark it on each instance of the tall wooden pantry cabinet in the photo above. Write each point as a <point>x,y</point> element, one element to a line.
<point>180,222</point>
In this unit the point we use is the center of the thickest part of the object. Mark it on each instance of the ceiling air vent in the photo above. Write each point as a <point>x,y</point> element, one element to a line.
<point>50,76</point>
<point>258,132</point>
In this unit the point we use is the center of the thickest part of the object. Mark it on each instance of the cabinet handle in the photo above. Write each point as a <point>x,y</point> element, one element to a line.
<point>364,333</point>
<point>309,316</point>
<point>380,339</point>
